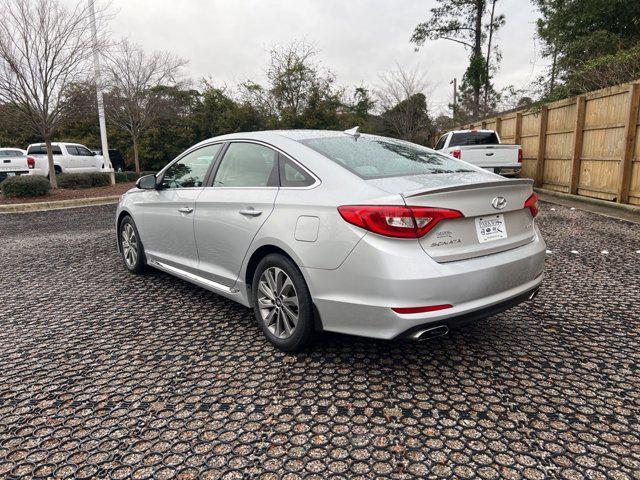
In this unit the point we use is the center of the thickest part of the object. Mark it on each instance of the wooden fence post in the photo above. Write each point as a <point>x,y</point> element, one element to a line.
<point>629,143</point>
<point>518,133</point>
<point>483,124</point>
<point>578,135</point>
<point>499,127</point>
<point>542,146</point>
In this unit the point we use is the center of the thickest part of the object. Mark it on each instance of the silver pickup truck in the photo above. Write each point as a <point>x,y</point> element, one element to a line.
<point>483,149</point>
<point>13,161</point>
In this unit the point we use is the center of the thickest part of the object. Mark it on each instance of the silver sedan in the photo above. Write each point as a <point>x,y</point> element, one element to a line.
<point>337,231</point>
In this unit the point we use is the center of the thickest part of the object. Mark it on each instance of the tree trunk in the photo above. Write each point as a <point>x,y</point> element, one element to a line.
<point>486,81</point>
<point>52,169</point>
<point>135,154</point>
<point>552,81</point>
<point>477,53</point>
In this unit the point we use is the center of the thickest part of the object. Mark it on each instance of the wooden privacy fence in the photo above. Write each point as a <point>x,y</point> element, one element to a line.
<point>587,145</point>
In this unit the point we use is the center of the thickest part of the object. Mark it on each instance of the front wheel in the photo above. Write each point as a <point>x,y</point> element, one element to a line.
<point>282,303</point>
<point>131,247</point>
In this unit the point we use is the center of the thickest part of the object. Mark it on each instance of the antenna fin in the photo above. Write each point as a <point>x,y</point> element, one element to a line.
<point>353,132</point>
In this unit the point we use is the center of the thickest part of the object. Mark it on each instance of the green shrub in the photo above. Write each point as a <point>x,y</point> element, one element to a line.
<point>123,177</point>
<point>25,186</point>
<point>83,180</point>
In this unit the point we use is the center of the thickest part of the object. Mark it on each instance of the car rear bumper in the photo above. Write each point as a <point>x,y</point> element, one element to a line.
<point>380,274</point>
<point>465,318</point>
<point>509,169</point>
<point>12,173</point>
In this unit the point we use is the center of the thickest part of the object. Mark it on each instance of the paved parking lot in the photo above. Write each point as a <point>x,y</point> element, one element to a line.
<point>108,375</point>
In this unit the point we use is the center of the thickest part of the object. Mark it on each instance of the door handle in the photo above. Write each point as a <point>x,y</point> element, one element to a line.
<point>185,210</point>
<point>250,212</point>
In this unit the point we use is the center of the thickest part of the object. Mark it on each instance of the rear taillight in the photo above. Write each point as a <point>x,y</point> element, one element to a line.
<point>395,220</point>
<point>31,162</point>
<point>520,155</point>
<point>456,153</point>
<point>532,204</point>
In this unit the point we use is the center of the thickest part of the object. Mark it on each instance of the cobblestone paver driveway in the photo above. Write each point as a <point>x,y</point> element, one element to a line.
<point>107,375</point>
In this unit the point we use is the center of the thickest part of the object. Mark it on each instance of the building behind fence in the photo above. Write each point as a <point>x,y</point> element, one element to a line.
<point>587,145</point>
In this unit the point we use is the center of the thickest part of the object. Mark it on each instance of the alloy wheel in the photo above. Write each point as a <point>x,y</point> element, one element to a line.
<point>278,302</point>
<point>129,245</point>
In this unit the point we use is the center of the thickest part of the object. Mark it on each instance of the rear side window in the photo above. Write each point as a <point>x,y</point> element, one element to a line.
<point>71,150</point>
<point>291,175</point>
<point>440,144</point>
<point>473,138</point>
<point>42,150</point>
<point>376,157</point>
<point>247,165</point>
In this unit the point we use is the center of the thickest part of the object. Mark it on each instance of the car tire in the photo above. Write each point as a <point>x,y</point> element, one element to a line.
<point>131,248</point>
<point>276,318</point>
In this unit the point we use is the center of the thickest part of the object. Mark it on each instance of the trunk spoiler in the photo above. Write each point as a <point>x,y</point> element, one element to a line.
<point>469,186</point>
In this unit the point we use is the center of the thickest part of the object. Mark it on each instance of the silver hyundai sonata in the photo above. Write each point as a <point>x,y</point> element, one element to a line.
<point>337,231</point>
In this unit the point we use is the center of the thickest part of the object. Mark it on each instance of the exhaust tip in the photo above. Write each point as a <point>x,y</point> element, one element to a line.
<point>430,333</point>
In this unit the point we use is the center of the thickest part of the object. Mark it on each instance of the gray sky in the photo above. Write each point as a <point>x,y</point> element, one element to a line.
<point>356,39</point>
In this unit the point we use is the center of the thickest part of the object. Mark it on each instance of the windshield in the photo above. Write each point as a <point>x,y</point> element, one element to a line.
<point>376,157</point>
<point>474,138</point>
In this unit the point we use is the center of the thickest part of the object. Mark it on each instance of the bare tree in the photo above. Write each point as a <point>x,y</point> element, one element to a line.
<point>403,96</point>
<point>134,79</point>
<point>44,47</point>
<point>295,79</point>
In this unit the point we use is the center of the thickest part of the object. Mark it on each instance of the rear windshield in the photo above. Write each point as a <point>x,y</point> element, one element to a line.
<point>42,150</point>
<point>11,153</point>
<point>376,157</point>
<point>474,138</point>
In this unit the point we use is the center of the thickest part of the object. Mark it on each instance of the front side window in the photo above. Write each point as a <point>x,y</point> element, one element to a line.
<point>369,156</point>
<point>85,152</point>
<point>190,170</point>
<point>247,165</point>
<point>440,144</point>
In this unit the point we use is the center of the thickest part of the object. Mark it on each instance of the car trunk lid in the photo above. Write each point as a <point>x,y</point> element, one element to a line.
<point>495,218</point>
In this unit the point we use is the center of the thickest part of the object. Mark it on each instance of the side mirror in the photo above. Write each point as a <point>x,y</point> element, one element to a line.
<point>147,182</point>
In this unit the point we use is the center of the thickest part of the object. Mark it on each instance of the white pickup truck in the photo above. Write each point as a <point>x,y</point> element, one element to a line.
<point>13,161</point>
<point>67,158</point>
<point>483,149</point>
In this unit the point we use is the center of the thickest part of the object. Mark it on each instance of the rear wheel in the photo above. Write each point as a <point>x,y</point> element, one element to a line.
<point>282,303</point>
<point>131,247</point>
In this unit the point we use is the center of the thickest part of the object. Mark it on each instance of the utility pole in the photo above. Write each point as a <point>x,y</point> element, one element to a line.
<point>103,124</point>
<point>455,97</point>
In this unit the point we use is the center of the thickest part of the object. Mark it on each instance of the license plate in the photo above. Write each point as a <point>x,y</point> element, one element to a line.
<point>491,228</point>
